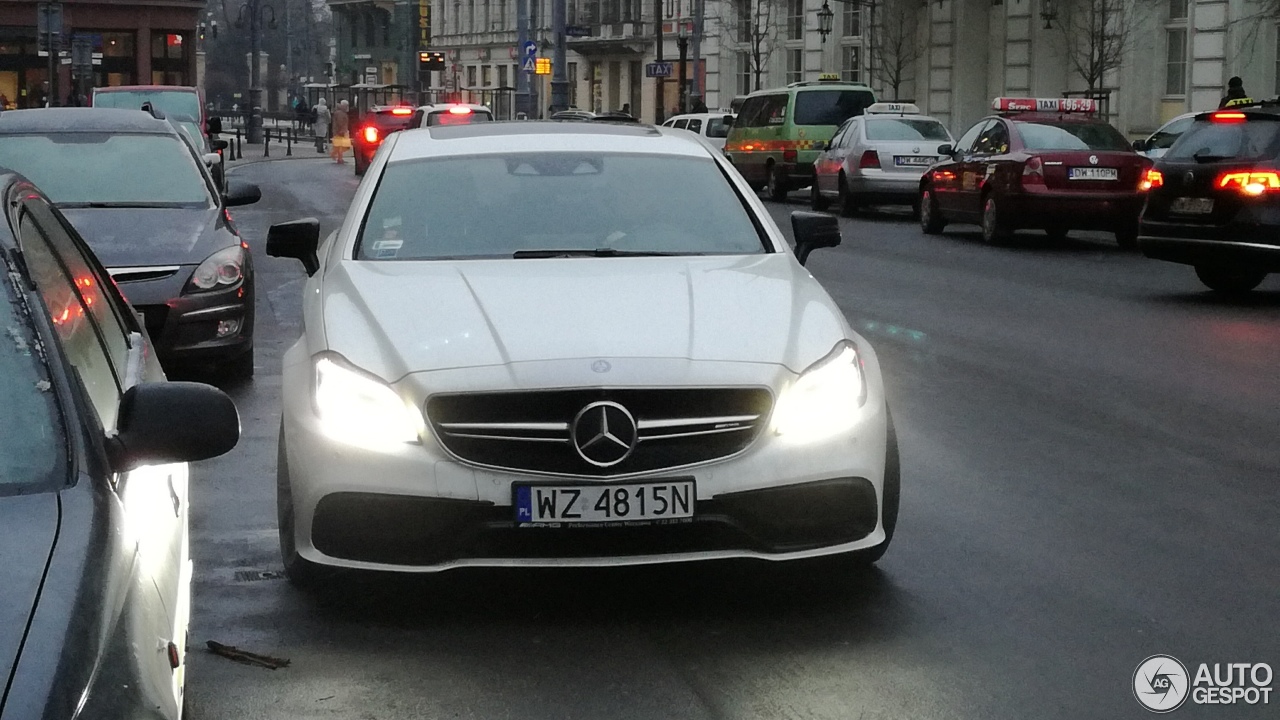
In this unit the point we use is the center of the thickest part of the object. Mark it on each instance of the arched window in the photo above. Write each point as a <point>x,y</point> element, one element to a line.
<point>354,20</point>
<point>370,31</point>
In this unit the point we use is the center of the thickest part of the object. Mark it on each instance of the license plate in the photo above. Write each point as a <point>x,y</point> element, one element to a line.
<point>1092,173</point>
<point>1191,206</point>
<point>914,160</point>
<point>625,504</point>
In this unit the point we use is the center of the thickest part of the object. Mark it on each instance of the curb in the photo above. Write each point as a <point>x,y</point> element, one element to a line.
<point>241,163</point>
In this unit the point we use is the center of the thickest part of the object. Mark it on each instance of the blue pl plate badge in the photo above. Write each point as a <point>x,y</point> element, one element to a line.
<point>524,504</point>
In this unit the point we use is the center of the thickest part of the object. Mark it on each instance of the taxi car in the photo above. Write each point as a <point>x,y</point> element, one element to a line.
<point>614,359</point>
<point>713,127</point>
<point>1048,164</point>
<point>877,158</point>
<point>450,114</point>
<point>374,126</point>
<point>779,133</point>
<point>1213,200</point>
<point>94,495</point>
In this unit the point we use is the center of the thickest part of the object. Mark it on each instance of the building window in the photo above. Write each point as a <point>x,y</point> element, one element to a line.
<point>500,21</point>
<point>795,65</point>
<point>795,19</point>
<point>386,29</point>
<point>486,75</point>
<point>1278,60</point>
<point>471,76</point>
<point>1178,9</point>
<point>851,63</point>
<point>370,31</point>
<point>168,58</point>
<point>744,20</point>
<point>573,84</point>
<point>744,73</point>
<point>502,76</point>
<point>355,29</point>
<point>1175,75</point>
<point>852,20</point>
<point>471,15</point>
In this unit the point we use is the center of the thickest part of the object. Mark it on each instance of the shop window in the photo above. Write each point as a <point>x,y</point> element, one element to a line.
<point>117,45</point>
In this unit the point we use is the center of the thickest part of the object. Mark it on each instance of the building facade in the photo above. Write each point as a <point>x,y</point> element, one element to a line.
<point>376,41</point>
<point>134,42</point>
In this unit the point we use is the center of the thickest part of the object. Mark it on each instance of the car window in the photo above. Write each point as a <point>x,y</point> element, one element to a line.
<point>695,126</point>
<point>839,136</point>
<point>1046,135</point>
<point>993,141</point>
<point>752,112</point>
<point>173,103</point>
<point>716,128</point>
<point>853,134</point>
<point>680,124</point>
<point>830,107</point>
<point>78,168</point>
<point>964,145</point>
<point>1165,137</point>
<point>774,112</point>
<point>463,116</point>
<point>1252,140</point>
<point>669,123</point>
<point>73,323</point>
<point>555,201</point>
<point>33,436</point>
<point>416,122</point>
<point>906,129</point>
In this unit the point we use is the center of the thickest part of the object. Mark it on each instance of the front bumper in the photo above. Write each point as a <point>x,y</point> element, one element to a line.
<point>184,327</point>
<point>1078,211</point>
<point>415,508</point>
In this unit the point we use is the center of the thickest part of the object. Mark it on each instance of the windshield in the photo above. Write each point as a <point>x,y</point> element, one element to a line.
<point>445,117</point>
<point>1071,136</point>
<point>82,168</point>
<point>1252,140</point>
<point>175,104</point>
<point>29,423</point>
<point>830,107</point>
<point>909,129</point>
<point>496,206</point>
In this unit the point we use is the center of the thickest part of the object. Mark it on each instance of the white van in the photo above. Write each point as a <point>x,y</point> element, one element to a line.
<point>710,125</point>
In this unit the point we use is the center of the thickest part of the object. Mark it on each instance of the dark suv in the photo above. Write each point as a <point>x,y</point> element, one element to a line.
<point>373,128</point>
<point>1214,198</point>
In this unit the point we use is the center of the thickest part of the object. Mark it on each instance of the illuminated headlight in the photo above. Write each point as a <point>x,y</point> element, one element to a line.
<point>825,400</point>
<point>359,409</point>
<point>221,269</point>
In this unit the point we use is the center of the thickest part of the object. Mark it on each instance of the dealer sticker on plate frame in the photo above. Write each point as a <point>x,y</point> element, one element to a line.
<point>667,501</point>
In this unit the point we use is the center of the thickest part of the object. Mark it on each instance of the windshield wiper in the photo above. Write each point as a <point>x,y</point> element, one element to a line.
<point>128,205</point>
<point>598,252</point>
<point>1204,157</point>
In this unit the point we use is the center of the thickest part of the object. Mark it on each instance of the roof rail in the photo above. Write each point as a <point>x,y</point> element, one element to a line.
<point>809,83</point>
<point>154,111</point>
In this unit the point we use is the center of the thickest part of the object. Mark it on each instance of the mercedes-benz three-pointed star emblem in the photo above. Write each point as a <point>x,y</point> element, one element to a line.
<point>604,433</point>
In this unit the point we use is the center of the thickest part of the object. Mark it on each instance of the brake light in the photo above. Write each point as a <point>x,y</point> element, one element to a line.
<point>460,110</point>
<point>1033,171</point>
<point>870,160</point>
<point>1151,180</point>
<point>788,154</point>
<point>1227,117</point>
<point>371,134</point>
<point>1250,183</point>
<point>401,111</point>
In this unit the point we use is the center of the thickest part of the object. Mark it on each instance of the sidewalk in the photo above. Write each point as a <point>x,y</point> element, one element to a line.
<point>304,148</point>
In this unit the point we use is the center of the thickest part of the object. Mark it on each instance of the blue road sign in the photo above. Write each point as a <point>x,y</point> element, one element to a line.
<point>530,48</point>
<point>662,69</point>
<point>530,65</point>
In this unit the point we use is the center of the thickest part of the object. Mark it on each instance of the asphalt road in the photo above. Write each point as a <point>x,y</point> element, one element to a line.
<point>1089,451</point>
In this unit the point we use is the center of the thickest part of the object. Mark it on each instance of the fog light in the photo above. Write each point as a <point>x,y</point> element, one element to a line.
<point>227,328</point>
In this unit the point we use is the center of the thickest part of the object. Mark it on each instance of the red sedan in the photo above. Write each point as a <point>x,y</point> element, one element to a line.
<point>1048,164</point>
<point>373,128</point>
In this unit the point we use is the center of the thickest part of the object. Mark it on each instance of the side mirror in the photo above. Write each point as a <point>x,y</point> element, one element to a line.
<point>170,422</point>
<point>728,121</point>
<point>211,159</point>
<point>298,239</point>
<point>812,231</point>
<point>947,149</point>
<point>242,193</point>
<point>219,144</point>
<point>1140,145</point>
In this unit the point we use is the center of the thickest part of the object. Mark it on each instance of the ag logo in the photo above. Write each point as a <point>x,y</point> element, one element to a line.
<point>1161,683</point>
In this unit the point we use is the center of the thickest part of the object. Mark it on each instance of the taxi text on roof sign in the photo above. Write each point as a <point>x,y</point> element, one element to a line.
<point>1061,105</point>
<point>893,108</point>
<point>825,77</point>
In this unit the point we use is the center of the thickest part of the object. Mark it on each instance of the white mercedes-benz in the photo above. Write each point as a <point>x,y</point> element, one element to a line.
<point>555,344</point>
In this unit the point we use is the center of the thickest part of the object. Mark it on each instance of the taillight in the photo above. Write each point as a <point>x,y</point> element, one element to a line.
<point>869,160</point>
<point>1250,183</point>
<point>1033,171</point>
<point>1227,117</point>
<point>789,155</point>
<point>1151,180</point>
<point>371,134</point>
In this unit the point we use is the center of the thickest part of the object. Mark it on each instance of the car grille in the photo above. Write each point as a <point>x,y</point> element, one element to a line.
<point>535,432</point>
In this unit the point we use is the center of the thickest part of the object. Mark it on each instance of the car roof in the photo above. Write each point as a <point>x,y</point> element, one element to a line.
<point>437,106</point>
<point>83,119</point>
<point>551,136</point>
<point>686,116</point>
<point>150,88</point>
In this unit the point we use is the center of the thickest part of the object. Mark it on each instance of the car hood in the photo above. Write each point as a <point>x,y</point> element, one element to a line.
<point>395,318</point>
<point>28,527</point>
<point>123,237</point>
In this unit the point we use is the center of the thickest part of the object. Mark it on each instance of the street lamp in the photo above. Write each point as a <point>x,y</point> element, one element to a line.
<point>825,19</point>
<point>682,42</point>
<point>254,13</point>
<point>1048,13</point>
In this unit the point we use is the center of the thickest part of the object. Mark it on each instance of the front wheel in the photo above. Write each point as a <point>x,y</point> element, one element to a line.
<point>777,184</point>
<point>931,220</point>
<point>995,231</point>
<point>1229,281</point>
<point>816,200</point>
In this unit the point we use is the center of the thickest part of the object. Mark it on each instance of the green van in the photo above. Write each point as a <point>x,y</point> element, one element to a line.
<point>779,133</point>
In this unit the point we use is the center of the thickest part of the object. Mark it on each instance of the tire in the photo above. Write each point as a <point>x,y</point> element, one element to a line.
<point>816,200</point>
<point>848,205</point>
<point>302,573</point>
<point>1127,237</point>
<point>994,229</point>
<point>777,186</point>
<point>931,220</point>
<point>1229,280</point>
<point>1057,235</point>
<point>239,368</point>
<point>891,501</point>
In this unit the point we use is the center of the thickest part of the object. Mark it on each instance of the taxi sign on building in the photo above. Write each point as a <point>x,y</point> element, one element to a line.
<point>893,108</point>
<point>1059,105</point>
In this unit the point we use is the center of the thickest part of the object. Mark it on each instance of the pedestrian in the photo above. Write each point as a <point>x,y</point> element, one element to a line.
<point>213,123</point>
<point>699,105</point>
<point>341,132</point>
<point>4,101</point>
<point>302,111</point>
<point>1235,93</point>
<point>320,126</point>
<point>626,108</point>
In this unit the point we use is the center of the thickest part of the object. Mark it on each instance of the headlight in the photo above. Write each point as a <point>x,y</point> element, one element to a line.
<point>825,400</point>
<point>221,269</point>
<point>359,409</point>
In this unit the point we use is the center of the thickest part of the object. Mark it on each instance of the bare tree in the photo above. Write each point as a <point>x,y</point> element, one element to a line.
<point>753,27</point>
<point>1099,35</point>
<point>894,44</point>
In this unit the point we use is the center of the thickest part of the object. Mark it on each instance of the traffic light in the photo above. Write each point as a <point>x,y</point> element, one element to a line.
<point>429,60</point>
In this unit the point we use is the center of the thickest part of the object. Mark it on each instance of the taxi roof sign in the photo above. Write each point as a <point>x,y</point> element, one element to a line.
<point>829,76</point>
<point>1052,105</point>
<point>892,108</point>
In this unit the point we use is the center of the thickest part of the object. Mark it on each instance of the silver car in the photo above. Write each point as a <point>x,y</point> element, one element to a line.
<point>877,158</point>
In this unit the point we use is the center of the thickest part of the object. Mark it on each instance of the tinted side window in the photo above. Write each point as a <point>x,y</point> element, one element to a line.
<point>775,110</point>
<point>852,134</point>
<point>752,112</point>
<point>717,128</point>
<point>993,141</point>
<point>681,124</point>
<point>830,107</point>
<point>965,144</point>
<point>695,126</point>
